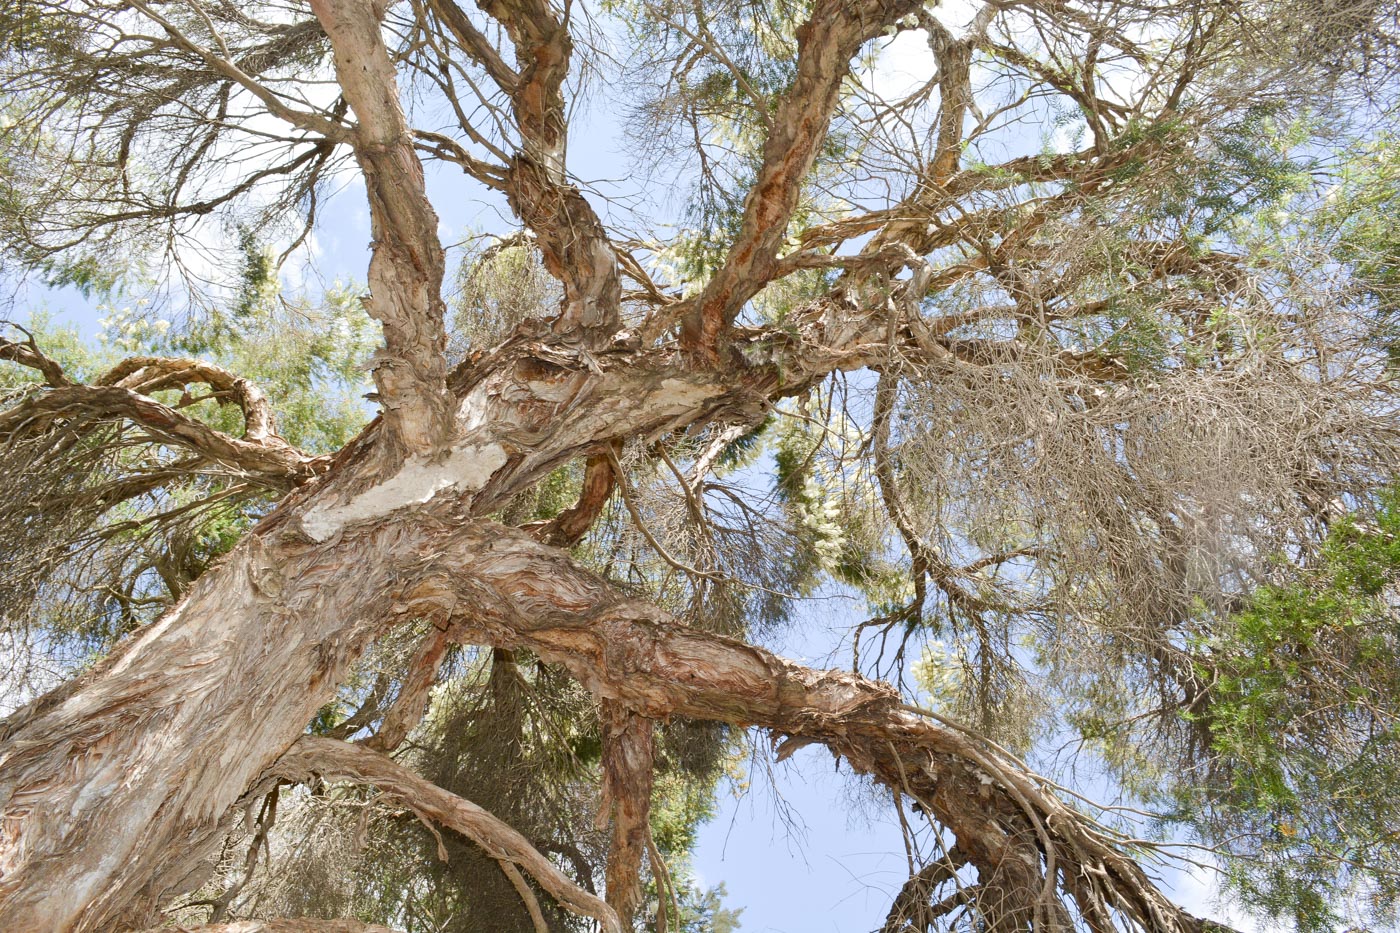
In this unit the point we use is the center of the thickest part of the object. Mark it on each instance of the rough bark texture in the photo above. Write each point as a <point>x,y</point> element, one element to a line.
<point>117,789</point>
<point>825,45</point>
<point>406,265</point>
<point>203,703</point>
<point>571,238</point>
<point>628,754</point>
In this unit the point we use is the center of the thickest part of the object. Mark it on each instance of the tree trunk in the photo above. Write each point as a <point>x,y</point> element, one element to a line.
<point>116,794</point>
<point>115,791</point>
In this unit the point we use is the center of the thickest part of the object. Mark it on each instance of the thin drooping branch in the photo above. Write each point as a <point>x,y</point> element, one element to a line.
<point>338,761</point>
<point>278,925</point>
<point>476,44</point>
<point>925,558</point>
<point>229,70</point>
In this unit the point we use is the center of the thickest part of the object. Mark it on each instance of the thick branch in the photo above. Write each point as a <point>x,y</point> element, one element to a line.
<point>147,374</point>
<point>524,595</point>
<point>568,527</point>
<point>205,700</point>
<point>826,43</point>
<point>571,238</point>
<point>406,267</point>
<point>270,459</point>
<point>628,753</point>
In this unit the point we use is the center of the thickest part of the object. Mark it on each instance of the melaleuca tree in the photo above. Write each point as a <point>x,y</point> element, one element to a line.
<point>1067,346</point>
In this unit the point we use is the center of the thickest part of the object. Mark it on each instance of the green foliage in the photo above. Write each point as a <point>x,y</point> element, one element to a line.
<point>306,356</point>
<point>1254,166</point>
<point>1366,209</point>
<point>701,911</point>
<point>1305,725</point>
<point>1362,214</point>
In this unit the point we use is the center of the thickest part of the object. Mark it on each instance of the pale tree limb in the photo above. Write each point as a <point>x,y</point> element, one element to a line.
<point>527,897</point>
<point>406,264</point>
<point>339,761</point>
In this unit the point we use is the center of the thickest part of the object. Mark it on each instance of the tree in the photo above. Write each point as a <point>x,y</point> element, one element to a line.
<point>1086,401</point>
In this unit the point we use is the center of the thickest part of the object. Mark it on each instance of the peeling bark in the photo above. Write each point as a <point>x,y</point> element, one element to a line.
<point>572,241</point>
<point>1008,825</point>
<point>117,789</point>
<point>202,702</point>
<point>628,756</point>
<point>406,263</point>
<point>826,44</point>
<point>202,712</point>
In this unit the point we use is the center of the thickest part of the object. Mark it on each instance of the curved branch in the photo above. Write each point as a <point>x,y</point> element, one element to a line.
<point>270,458</point>
<point>568,527</point>
<point>505,590</point>
<point>147,374</point>
<point>339,761</point>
